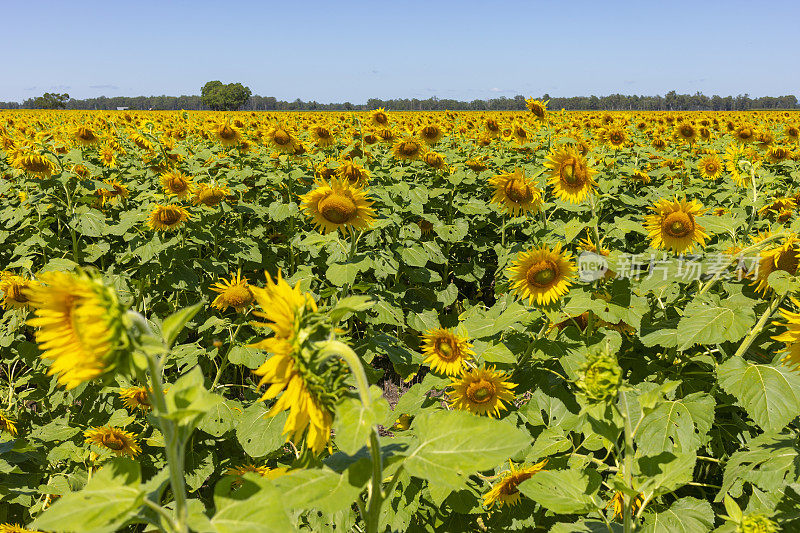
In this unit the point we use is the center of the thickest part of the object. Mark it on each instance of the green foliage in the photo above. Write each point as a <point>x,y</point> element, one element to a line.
<point>224,97</point>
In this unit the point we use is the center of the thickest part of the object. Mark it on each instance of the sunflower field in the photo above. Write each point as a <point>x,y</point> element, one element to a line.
<point>385,321</point>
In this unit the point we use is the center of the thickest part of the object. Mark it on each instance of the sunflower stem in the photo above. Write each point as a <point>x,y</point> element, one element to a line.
<point>375,495</point>
<point>768,312</point>
<point>628,474</point>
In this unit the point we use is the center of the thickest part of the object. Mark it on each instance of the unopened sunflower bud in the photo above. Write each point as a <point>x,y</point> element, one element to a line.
<point>600,377</point>
<point>757,523</point>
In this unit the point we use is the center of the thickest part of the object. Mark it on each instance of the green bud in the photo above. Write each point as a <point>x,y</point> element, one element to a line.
<point>758,523</point>
<point>600,377</point>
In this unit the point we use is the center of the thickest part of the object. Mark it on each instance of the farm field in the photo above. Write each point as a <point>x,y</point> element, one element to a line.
<point>399,321</point>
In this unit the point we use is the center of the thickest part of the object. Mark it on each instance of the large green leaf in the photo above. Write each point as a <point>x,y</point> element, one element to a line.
<point>453,444</point>
<point>113,496</point>
<point>255,507</point>
<point>676,425</point>
<point>687,515</point>
<point>564,491</point>
<point>769,393</point>
<point>713,322</point>
<point>259,434</point>
<point>354,422</point>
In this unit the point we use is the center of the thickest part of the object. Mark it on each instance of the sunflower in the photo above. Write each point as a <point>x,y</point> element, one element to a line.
<point>282,139</point>
<point>338,205</point>
<point>322,136</point>
<point>352,172</point>
<point>776,154</point>
<point>520,134</point>
<point>167,217</point>
<point>446,352</point>
<point>745,134</point>
<point>36,164</point>
<point>235,293</point>
<point>176,183</point>
<point>263,471</point>
<point>435,160</point>
<point>733,155</point>
<point>481,391</point>
<point>784,256</point>
<point>379,118</point>
<point>135,398</point>
<point>431,134</point>
<point>685,132</point>
<point>80,325</point>
<point>537,107</point>
<point>108,157</point>
<point>541,274</point>
<point>778,206</point>
<point>16,528</point>
<point>85,136</point>
<point>407,149</point>
<point>516,193</point>
<point>710,166</point>
<point>210,195</point>
<point>477,164</point>
<point>287,370</point>
<point>8,424</point>
<point>673,226</point>
<point>15,290</point>
<point>615,137</point>
<point>570,175</point>
<point>505,491</point>
<point>227,134</point>
<point>617,501</point>
<point>114,192</point>
<point>790,337</point>
<point>116,440</point>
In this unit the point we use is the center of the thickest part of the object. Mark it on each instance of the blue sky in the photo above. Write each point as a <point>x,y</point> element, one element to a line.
<point>338,51</point>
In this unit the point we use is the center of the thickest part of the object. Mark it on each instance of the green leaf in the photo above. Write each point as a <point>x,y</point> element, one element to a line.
<point>687,515</point>
<point>354,422</point>
<point>769,393</point>
<point>252,508</point>
<point>188,401</point>
<point>712,323</point>
<point>675,426</point>
<point>113,496</point>
<point>221,418</point>
<point>349,305</point>
<point>563,491</point>
<point>322,489</point>
<point>454,444</point>
<point>174,324</point>
<point>665,472</point>
<point>259,434</point>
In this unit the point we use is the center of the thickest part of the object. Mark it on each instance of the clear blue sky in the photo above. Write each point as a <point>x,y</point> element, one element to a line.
<point>338,51</point>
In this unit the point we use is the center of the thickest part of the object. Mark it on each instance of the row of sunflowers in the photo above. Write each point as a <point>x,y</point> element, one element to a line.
<point>444,321</point>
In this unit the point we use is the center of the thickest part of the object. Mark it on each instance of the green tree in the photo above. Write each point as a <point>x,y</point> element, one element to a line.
<point>50,101</point>
<point>221,97</point>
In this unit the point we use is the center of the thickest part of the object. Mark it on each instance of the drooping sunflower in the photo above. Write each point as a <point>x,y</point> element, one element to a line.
<point>434,160</point>
<point>352,172</point>
<point>80,326</point>
<point>482,391</point>
<point>116,190</point>
<point>235,293</point>
<point>116,440</point>
<point>288,371</point>
<point>85,136</point>
<point>778,206</point>
<point>108,157</point>
<point>446,352</point>
<point>674,227</point>
<point>36,164</point>
<point>570,175</point>
<point>227,134</point>
<point>745,134</point>
<point>379,118</point>
<point>338,205</point>
<point>135,398</point>
<point>784,256</point>
<point>282,139</point>
<point>167,217</point>
<point>322,136</point>
<point>516,193</point>
<point>685,132</point>
<point>733,155</point>
<point>616,503</point>
<point>407,149</point>
<point>710,166</point>
<point>505,491</point>
<point>537,107</point>
<point>8,424</point>
<point>615,137</point>
<point>431,134</point>
<point>14,290</point>
<point>541,274</point>
<point>210,195</point>
<point>176,183</point>
<point>790,337</point>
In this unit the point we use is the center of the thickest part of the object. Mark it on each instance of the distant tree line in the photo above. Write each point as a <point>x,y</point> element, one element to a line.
<point>669,102</point>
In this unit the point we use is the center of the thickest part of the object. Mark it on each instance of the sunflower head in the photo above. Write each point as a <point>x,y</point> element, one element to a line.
<point>505,491</point>
<point>542,275</point>
<point>674,225</point>
<point>379,118</point>
<point>176,183</point>
<point>15,289</point>
<point>434,160</point>
<point>210,195</point>
<point>482,391</point>
<point>685,132</point>
<point>431,134</point>
<point>537,107</point>
<point>445,351</point>
<point>338,205</point>
<point>114,440</point>
<point>167,217</point>
<point>250,468</point>
<point>407,149</point>
<point>783,256</point>
<point>136,398</point>
<point>235,293</point>
<point>352,172</point>
<point>516,193</point>
<point>757,523</point>
<point>282,139</point>
<point>227,134</point>
<point>80,325</point>
<point>85,136</point>
<point>570,175</point>
<point>710,166</point>
<point>35,164</point>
